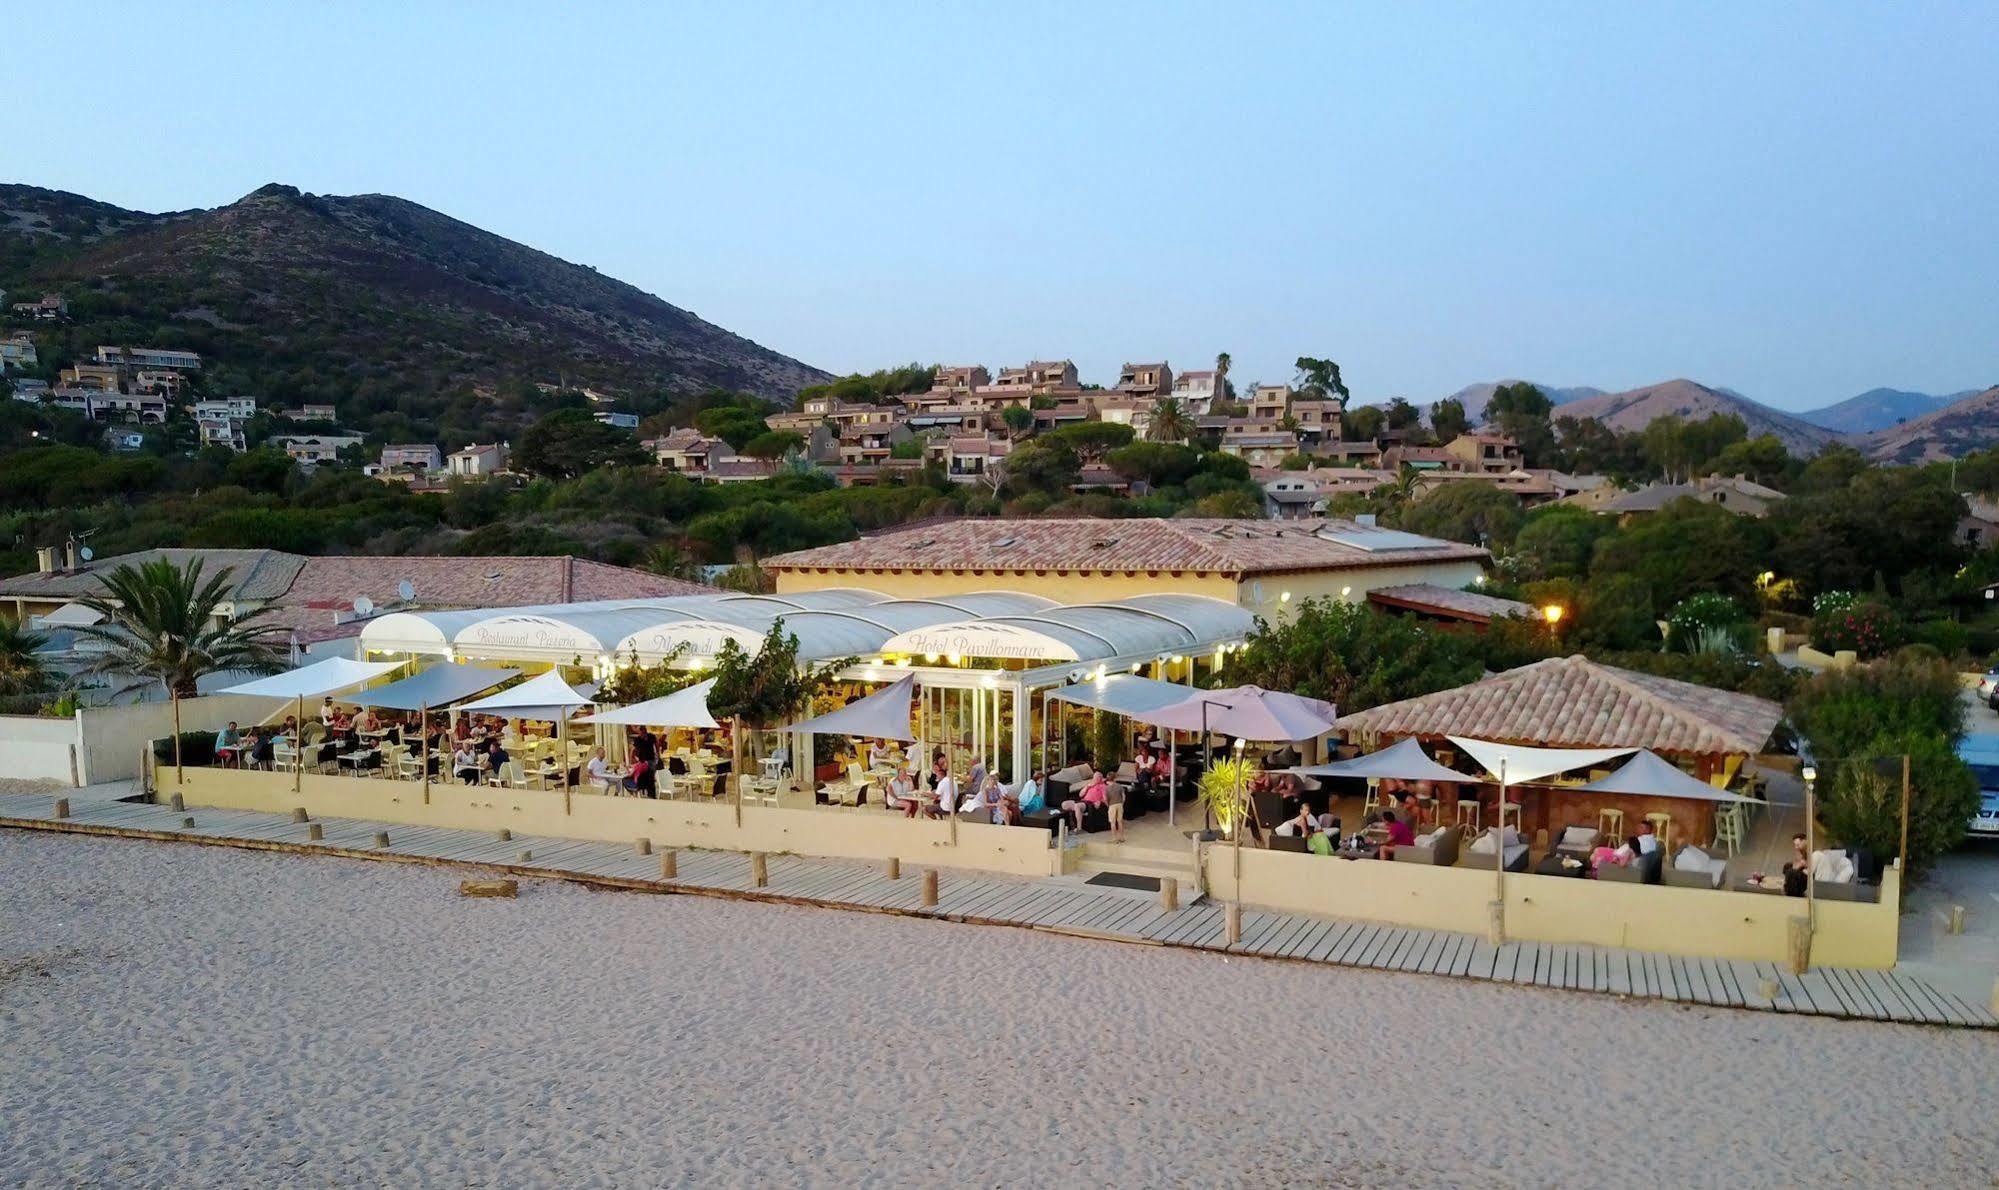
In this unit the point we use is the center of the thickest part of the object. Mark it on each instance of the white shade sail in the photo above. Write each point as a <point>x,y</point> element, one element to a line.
<point>436,687</point>
<point>321,677</point>
<point>1249,712</point>
<point>1649,775</point>
<point>544,696</point>
<point>1517,762</point>
<point>1405,761</point>
<point>687,707</point>
<point>883,715</point>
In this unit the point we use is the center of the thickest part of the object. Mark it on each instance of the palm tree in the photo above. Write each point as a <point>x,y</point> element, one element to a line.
<point>1170,422</point>
<point>21,671</point>
<point>1222,362</point>
<point>162,623</point>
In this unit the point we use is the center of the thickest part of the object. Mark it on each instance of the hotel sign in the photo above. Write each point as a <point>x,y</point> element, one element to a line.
<point>981,640</point>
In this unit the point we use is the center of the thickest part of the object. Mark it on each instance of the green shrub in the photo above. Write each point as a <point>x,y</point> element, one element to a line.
<point>1948,637</point>
<point>1860,798</point>
<point>196,747</point>
<point>1708,622</point>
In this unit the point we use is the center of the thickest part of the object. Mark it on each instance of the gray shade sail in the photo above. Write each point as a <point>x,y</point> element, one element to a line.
<point>1649,775</point>
<point>1405,761</point>
<point>883,715</point>
<point>436,687</point>
<point>1124,694</point>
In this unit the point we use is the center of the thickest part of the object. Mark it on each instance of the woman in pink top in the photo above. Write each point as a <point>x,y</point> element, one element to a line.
<point>1093,795</point>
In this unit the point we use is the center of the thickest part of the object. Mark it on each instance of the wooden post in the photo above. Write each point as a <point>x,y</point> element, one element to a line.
<point>187,824</point>
<point>315,832</point>
<point>1799,948</point>
<point>504,835</point>
<point>299,814</point>
<point>1234,919</point>
<point>1169,893</point>
<point>62,807</point>
<point>669,865</point>
<point>423,734</point>
<point>894,868</point>
<point>1956,918</point>
<point>526,856</point>
<point>759,870</point>
<point>929,888</point>
<point>736,763</point>
<point>644,846</point>
<point>381,838</point>
<point>1499,863</point>
<point>176,802</point>
<point>298,744</point>
<point>1903,875</point>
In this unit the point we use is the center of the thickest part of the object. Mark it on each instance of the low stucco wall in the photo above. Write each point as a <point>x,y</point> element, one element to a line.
<point>113,739</point>
<point>34,748</point>
<point>1704,923</point>
<point>834,834</point>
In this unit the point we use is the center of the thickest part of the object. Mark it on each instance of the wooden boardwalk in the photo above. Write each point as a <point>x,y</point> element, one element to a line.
<point>1054,905</point>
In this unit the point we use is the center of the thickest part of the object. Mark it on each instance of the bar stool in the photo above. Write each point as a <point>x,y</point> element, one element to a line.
<point>1662,826</point>
<point>1371,804</point>
<point>1510,808</point>
<point>1728,827</point>
<point>1610,824</point>
<point>1468,817</point>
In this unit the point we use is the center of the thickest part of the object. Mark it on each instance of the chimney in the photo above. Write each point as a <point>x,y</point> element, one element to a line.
<point>45,559</point>
<point>70,557</point>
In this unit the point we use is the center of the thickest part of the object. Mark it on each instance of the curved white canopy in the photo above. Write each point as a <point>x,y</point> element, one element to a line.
<point>1085,631</point>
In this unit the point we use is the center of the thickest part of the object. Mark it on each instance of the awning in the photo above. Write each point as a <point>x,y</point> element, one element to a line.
<point>683,708</point>
<point>311,681</point>
<point>1649,775</point>
<point>544,696</point>
<point>70,615</point>
<point>883,715</point>
<point>436,687</point>
<point>1518,762</point>
<point>1123,694</point>
<point>1249,712</point>
<point>1405,761</point>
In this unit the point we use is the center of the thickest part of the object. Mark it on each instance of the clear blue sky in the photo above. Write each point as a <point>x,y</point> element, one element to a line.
<point>1797,201</point>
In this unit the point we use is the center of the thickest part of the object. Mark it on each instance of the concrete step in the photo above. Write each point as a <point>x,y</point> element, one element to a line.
<point>1127,853</point>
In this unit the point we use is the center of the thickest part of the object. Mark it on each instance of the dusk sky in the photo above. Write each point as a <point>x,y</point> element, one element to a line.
<point>1798,202</point>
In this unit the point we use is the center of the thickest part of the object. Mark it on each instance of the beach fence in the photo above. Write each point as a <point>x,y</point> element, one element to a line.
<point>99,744</point>
<point>1695,922</point>
<point>823,833</point>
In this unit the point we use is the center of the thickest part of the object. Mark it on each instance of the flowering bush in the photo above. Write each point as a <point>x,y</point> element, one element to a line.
<point>1700,623</point>
<point>1869,629</point>
<point>1833,601</point>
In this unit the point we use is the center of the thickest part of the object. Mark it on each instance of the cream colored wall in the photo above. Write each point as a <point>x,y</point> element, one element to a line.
<point>1015,851</point>
<point>1703,923</point>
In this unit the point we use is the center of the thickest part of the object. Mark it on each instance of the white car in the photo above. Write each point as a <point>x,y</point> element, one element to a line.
<point>1988,686</point>
<point>1981,752</point>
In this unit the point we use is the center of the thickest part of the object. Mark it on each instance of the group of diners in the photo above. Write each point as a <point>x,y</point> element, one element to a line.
<point>1083,795</point>
<point>651,756</point>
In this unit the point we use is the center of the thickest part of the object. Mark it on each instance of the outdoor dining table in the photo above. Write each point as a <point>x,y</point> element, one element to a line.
<point>355,759</point>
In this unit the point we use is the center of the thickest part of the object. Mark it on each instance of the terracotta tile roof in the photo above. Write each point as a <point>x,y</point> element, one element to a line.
<point>1463,605</point>
<point>254,574</point>
<point>326,586</point>
<point>1192,544</point>
<point>1573,702</point>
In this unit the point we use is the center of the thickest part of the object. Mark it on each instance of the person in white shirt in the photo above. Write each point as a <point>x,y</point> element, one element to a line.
<point>601,774</point>
<point>947,796</point>
<point>1646,841</point>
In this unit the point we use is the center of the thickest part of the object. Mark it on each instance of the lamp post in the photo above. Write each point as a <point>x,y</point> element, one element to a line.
<point>1237,814</point>
<point>1811,776</point>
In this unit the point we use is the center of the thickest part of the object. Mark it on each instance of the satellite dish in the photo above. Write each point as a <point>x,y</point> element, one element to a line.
<point>363,605</point>
<point>406,590</point>
<point>87,553</point>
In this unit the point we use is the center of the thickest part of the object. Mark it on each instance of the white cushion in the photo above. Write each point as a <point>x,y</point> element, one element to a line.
<point>1577,836</point>
<point>1691,859</point>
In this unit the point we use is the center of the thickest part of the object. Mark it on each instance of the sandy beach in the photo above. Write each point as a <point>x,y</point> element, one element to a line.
<point>183,1015</point>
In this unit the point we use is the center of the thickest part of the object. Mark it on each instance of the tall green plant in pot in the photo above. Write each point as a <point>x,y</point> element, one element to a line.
<point>1224,791</point>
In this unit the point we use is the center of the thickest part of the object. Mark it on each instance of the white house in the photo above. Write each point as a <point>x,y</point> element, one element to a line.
<point>478,460</point>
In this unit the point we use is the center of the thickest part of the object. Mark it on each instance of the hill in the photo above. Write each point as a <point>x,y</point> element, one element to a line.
<point>1635,409</point>
<point>370,300</point>
<point>1965,425</point>
<point>1474,396</point>
<point>1877,409</point>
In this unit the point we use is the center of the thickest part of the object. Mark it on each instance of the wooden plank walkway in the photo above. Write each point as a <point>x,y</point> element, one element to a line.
<point>1050,905</point>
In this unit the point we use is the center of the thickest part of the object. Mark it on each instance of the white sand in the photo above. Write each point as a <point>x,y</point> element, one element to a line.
<point>175,1014</point>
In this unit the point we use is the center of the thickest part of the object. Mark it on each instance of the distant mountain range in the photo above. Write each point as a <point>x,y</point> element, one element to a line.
<point>1890,425</point>
<point>297,294</point>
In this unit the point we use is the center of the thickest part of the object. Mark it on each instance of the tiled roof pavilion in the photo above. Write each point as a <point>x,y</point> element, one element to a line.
<point>1145,545</point>
<point>1573,702</point>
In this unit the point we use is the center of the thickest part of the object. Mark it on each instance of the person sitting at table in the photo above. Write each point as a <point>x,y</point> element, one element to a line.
<point>290,729</point>
<point>901,793</point>
<point>643,779</point>
<point>1400,834</point>
<point>1298,826</point>
<point>226,743</point>
<point>1644,842</point>
<point>1145,771</point>
<point>496,755</point>
<point>465,762</point>
<point>990,798</point>
<point>260,748</point>
<point>975,784</point>
<point>367,721</point>
<point>598,771</point>
<point>880,756</point>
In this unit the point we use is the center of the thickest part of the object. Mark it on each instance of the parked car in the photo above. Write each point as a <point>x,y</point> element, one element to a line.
<point>1988,688</point>
<point>1981,752</point>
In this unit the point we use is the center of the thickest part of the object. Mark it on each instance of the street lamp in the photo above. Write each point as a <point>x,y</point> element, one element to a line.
<point>1553,614</point>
